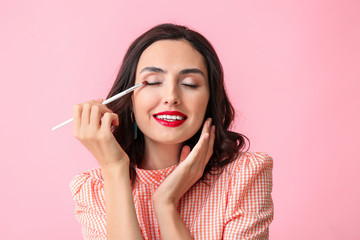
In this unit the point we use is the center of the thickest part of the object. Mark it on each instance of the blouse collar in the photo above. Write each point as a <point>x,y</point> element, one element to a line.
<point>153,177</point>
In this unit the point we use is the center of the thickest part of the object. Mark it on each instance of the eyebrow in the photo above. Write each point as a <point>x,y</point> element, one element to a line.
<point>153,69</point>
<point>182,72</point>
<point>192,70</point>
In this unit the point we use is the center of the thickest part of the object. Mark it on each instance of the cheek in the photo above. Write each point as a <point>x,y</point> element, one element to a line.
<point>143,102</point>
<point>198,103</point>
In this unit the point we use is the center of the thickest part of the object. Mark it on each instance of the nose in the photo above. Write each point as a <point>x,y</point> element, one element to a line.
<point>171,95</point>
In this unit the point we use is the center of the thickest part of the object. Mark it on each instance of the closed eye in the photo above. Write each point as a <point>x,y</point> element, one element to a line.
<point>190,85</point>
<point>184,84</point>
<point>153,83</point>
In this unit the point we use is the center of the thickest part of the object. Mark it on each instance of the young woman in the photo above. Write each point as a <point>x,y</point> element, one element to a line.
<point>170,168</point>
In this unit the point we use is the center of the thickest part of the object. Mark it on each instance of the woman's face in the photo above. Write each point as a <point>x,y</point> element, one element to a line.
<point>171,108</point>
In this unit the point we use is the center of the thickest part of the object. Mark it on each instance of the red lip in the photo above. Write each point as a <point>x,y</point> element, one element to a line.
<point>173,123</point>
<point>171,113</point>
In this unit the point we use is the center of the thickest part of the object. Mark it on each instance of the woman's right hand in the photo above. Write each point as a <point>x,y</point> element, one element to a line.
<point>92,127</point>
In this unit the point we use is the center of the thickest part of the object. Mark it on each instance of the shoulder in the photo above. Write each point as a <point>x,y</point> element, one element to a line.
<point>249,209</point>
<point>87,182</point>
<point>250,162</point>
<point>87,190</point>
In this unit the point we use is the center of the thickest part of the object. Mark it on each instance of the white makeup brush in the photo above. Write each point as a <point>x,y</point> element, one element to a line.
<point>113,98</point>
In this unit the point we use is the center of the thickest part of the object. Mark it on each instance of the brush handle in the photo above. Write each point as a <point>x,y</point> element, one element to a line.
<point>62,124</point>
<point>109,100</point>
<point>123,93</point>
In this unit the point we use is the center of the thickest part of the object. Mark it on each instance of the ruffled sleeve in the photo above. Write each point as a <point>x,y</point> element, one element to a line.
<point>88,193</point>
<point>250,206</point>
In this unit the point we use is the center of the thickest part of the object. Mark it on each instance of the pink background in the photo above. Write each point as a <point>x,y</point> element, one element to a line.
<point>292,72</point>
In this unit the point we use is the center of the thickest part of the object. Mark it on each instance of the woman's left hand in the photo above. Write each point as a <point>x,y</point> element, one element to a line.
<point>189,171</point>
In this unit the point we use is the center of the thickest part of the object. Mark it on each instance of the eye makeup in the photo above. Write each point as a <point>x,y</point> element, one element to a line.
<point>188,80</point>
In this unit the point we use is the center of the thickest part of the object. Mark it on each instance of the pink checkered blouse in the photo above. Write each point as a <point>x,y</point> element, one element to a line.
<point>235,204</point>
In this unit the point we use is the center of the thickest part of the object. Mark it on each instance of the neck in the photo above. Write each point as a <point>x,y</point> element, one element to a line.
<point>160,156</point>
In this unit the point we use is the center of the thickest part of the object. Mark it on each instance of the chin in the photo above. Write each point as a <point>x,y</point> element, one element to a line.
<point>171,139</point>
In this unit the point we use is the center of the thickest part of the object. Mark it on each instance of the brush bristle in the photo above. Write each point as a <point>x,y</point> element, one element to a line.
<point>144,82</point>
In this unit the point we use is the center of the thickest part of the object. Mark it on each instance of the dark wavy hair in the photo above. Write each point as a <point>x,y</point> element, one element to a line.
<point>227,143</point>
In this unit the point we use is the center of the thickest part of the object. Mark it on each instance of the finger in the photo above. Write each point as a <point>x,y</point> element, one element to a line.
<point>95,116</point>
<point>85,114</point>
<point>206,126</point>
<point>185,151</point>
<point>211,143</point>
<point>109,119</point>
<point>203,134</point>
<point>77,117</point>
<point>86,111</point>
<point>97,111</point>
<point>205,142</point>
<point>200,149</point>
<point>116,121</point>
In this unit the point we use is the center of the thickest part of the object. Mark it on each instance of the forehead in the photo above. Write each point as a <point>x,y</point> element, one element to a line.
<point>171,55</point>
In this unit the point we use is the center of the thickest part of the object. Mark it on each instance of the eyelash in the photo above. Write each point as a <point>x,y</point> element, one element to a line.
<point>152,84</point>
<point>186,85</point>
<point>190,85</point>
